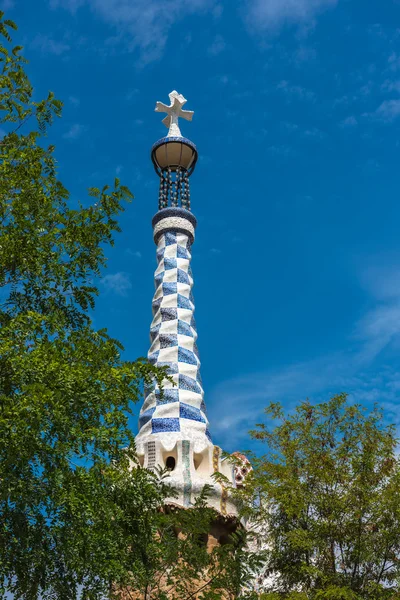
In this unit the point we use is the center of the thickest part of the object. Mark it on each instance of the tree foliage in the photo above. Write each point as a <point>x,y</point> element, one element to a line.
<point>76,520</point>
<point>65,392</point>
<point>179,561</point>
<point>327,498</point>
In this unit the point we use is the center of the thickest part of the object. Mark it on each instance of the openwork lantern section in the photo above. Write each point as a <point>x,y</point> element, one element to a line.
<point>174,159</point>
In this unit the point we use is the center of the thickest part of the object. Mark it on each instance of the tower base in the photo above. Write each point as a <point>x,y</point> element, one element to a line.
<point>192,466</point>
<point>219,534</point>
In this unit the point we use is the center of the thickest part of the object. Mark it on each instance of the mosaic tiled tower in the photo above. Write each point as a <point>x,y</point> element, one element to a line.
<point>173,426</point>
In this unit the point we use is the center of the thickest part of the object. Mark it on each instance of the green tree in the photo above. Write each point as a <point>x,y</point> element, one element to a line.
<point>326,499</point>
<point>65,392</point>
<point>176,561</point>
<point>76,520</point>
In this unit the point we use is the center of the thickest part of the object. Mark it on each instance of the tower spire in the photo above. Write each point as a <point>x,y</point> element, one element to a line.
<point>173,426</point>
<point>174,157</point>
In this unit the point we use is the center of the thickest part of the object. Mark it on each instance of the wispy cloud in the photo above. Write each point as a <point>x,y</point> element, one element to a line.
<point>47,45</point>
<point>118,283</point>
<point>349,122</point>
<point>142,24</point>
<point>391,85</point>
<point>226,80</point>
<point>74,132</point>
<point>350,370</point>
<point>7,4</point>
<point>380,325</point>
<point>271,15</point>
<point>296,91</point>
<point>218,45</point>
<point>71,5</point>
<point>314,133</point>
<point>74,100</point>
<point>388,111</point>
<point>304,54</point>
<point>381,278</point>
<point>394,61</point>
<point>132,94</point>
<point>134,253</point>
<point>282,150</point>
<point>146,24</point>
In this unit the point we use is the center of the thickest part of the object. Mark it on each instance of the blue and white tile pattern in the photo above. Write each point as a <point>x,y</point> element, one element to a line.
<point>179,412</point>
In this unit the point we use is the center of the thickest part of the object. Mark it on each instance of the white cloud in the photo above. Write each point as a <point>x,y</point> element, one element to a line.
<point>7,4</point>
<point>281,150</point>
<point>74,132</point>
<point>314,133</point>
<point>217,46</point>
<point>134,253</point>
<point>290,127</point>
<point>366,89</point>
<point>217,11</point>
<point>145,24</point>
<point>388,110</point>
<point>380,326</point>
<point>394,61</point>
<point>48,45</point>
<point>391,86</point>
<point>247,396</point>
<point>381,278</point>
<point>349,122</point>
<point>296,91</point>
<point>71,5</point>
<point>376,330</point>
<point>132,94</point>
<point>305,54</point>
<point>350,370</point>
<point>118,283</point>
<point>273,14</point>
<point>224,79</point>
<point>74,100</point>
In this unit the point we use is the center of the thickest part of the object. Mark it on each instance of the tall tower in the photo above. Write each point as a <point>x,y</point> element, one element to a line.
<point>173,425</point>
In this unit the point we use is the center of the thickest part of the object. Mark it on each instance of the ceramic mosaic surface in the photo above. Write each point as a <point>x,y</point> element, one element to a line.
<point>178,413</point>
<point>173,426</point>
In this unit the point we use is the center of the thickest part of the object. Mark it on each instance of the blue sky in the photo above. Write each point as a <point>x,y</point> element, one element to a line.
<point>297,113</point>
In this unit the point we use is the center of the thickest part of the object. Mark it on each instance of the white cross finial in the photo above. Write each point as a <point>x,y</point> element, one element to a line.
<point>174,111</point>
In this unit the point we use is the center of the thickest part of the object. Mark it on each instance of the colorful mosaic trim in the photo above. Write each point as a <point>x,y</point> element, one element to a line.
<point>216,453</point>
<point>224,499</point>
<point>175,219</point>
<point>180,408</point>
<point>224,494</point>
<point>187,481</point>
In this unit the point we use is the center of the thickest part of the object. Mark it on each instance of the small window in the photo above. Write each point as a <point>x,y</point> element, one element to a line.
<point>170,463</point>
<point>197,459</point>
